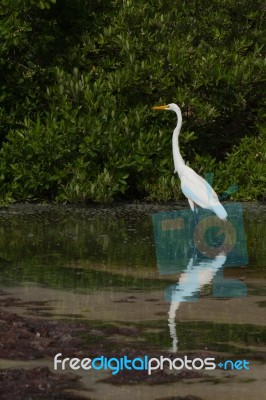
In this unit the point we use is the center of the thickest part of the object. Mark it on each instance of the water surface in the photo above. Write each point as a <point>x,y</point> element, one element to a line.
<point>102,265</point>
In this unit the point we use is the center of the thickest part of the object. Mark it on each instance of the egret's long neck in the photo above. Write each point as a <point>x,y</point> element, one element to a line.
<point>178,160</point>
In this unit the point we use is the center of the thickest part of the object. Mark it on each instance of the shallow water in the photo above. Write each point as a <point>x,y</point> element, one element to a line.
<point>143,267</point>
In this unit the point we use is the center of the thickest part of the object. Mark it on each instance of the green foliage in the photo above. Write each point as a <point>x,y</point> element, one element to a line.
<point>78,80</point>
<point>246,165</point>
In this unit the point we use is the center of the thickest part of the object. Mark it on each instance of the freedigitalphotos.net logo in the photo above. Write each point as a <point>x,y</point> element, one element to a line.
<point>146,363</point>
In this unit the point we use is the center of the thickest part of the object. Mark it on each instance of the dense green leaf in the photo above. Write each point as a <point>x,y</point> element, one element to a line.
<point>78,80</point>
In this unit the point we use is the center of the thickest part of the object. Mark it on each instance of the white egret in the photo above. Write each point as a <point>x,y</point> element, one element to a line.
<point>197,190</point>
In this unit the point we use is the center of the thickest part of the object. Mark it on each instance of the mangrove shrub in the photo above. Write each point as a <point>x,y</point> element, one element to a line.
<point>78,80</point>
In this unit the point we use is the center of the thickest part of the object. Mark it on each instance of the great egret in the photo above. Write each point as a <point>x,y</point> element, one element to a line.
<point>195,188</point>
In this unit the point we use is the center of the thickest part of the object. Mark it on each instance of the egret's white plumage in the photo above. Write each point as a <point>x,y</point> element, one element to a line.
<point>195,188</point>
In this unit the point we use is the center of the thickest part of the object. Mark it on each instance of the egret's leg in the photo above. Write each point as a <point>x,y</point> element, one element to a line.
<point>196,214</point>
<point>191,203</point>
<point>194,209</point>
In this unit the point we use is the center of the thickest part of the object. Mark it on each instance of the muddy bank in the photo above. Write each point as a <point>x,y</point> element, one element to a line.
<point>38,339</point>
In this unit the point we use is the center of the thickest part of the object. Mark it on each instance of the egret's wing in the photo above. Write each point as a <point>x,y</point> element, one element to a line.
<point>197,189</point>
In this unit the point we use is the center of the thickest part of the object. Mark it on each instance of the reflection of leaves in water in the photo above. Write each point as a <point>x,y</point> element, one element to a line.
<point>75,278</point>
<point>55,237</point>
<point>256,243</point>
<point>38,243</point>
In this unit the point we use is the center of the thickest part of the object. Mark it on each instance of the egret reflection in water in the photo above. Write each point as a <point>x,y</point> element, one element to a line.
<point>197,274</point>
<point>198,253</point>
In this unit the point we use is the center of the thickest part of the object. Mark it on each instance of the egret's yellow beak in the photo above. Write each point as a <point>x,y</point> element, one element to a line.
<point>160,107</point>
